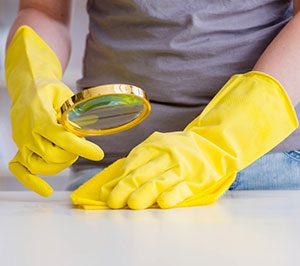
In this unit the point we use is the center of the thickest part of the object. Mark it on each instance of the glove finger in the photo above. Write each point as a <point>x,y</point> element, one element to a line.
<point>139,156</point>
<point>186,191</point>
<point>119,195</point>
<point>50,152</point>
<point>130,164</point>
<point>175,195</point>
<point>145,196</point>
<point>29,180</point>
<point>211,193</point>
<point>72,143</point>
<point>37,165</point>
<point>195,194</point>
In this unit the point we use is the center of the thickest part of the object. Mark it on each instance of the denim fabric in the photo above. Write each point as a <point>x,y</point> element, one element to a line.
<point>272,171</point>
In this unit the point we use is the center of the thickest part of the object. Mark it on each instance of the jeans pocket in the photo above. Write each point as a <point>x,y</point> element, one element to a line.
<point>294,155</point>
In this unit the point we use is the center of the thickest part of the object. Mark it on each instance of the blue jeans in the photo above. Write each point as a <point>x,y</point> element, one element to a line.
<point>271,171</point>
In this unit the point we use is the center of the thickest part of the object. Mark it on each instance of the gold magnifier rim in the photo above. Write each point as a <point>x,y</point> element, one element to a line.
<point>103,90</point>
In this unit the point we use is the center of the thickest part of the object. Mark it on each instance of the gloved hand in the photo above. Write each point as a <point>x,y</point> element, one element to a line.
<point>248,117</point>
<point>33,75</point>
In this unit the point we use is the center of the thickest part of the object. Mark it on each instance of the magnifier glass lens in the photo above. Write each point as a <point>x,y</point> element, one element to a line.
<point>106,112</point>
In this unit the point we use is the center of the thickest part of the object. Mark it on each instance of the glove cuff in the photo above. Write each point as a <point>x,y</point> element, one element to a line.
<point>248,117</point>
<point>29,58</point>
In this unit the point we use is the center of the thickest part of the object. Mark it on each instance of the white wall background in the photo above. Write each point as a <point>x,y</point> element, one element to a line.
<point>8,11</point>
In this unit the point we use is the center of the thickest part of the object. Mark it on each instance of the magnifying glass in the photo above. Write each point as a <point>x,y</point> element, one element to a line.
<point>104,110</point>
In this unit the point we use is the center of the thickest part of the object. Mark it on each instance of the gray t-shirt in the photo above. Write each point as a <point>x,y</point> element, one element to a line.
<point>180,52</point>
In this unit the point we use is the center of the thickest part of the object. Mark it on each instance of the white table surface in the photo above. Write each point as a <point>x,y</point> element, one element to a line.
<point>243,228</point>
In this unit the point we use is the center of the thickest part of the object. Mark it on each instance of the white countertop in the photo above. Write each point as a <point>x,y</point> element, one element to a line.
<point>243,228</point>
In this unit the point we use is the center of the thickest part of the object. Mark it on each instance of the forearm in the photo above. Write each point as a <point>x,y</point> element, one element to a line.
<point>282,59</point>
<point>51,21</point>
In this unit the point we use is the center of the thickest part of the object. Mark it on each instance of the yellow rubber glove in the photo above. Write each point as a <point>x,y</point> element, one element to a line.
<point>33,75</point>
<point>248,117</point>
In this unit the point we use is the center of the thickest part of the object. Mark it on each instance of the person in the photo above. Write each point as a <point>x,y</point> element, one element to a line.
<point>210,129</point>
